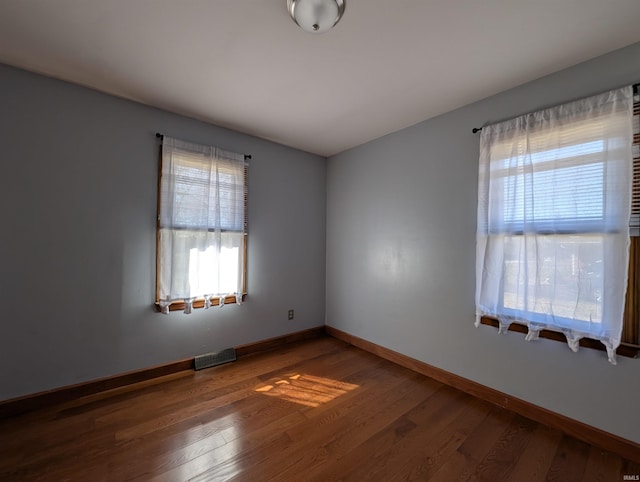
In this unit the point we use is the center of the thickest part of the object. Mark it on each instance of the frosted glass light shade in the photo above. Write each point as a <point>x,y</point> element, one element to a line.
<point>316,16</point>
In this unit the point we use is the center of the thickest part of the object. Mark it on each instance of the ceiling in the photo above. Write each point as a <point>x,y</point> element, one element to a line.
<point>244,64</point>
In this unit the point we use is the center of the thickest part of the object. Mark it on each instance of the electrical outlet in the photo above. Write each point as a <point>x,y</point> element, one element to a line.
<point>290,314</point>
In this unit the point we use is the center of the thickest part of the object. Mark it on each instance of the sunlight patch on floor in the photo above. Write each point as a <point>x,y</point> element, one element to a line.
<point>306,390</point>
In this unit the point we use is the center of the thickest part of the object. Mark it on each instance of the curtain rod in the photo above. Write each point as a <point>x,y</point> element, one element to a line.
<point>161,137</point>
<point>635,92</point>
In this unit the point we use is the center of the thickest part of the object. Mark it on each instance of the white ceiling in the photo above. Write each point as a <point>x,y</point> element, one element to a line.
<point>245,65</point>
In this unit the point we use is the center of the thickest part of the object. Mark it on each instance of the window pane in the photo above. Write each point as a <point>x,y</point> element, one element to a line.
<point>202,193</point>
<point>561,197</point>
<point>554,277</point>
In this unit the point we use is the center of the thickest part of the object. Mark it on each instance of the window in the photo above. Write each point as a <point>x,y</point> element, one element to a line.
<point>202,221</point>
<point>553,219</point>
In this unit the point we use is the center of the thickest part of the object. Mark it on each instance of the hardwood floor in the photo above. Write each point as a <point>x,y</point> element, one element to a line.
<point>316,410</point>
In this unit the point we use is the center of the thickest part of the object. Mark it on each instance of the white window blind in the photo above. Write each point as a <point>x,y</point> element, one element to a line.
<point>554,204</point>
<point>201,224</point>
<point>635,203</point>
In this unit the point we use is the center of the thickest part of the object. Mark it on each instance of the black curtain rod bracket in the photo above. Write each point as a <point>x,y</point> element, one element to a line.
<point>161,137</point>
<point>476,129</point>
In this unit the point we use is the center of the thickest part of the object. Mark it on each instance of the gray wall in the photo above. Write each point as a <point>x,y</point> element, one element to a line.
<point>77,243</point>
<point>401,215</point>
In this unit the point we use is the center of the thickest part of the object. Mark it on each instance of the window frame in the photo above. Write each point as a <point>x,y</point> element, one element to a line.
<point>630,338</point>
<point>625,349</point>
<point>199,302</point>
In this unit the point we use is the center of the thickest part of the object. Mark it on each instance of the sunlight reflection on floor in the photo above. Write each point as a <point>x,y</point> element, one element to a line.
<point>306,390</point>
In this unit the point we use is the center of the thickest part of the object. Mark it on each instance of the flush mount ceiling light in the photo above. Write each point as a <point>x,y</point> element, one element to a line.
<point>316,16</point>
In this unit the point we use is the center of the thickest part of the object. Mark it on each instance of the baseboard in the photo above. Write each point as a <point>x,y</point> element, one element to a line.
<point>279,341</point>
<point>592,435</point>
<point>28,403</point>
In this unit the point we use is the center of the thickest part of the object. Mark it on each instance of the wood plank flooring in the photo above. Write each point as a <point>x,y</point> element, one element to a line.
<point>319,410</point>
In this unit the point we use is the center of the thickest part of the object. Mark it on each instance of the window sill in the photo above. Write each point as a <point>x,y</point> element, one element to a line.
<point>625,350</point>
<point>199,303</point>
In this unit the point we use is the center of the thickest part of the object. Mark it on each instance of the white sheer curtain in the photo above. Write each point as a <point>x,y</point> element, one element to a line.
<point>202,224</point>
<point>553,219</point>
